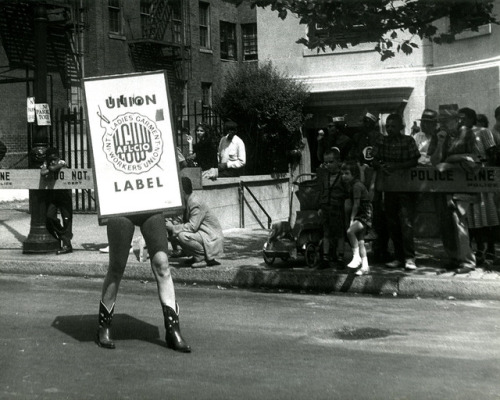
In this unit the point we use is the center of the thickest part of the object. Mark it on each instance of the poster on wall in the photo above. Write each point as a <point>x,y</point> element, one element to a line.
<point>133,149</point>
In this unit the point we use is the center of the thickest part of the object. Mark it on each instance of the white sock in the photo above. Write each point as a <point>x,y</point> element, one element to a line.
<point>355,252</point>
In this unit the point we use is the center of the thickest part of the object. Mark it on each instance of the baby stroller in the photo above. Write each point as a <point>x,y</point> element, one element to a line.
<point>304,238</point>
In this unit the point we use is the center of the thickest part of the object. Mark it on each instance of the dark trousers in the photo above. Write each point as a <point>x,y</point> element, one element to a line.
<point>452,215</point>
<point>380,245</point>
<point>230,172</point>
<point>62,201</point>
<point>400,213</point>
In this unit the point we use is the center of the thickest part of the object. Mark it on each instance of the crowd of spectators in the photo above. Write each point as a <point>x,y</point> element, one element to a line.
<point>448,138</point>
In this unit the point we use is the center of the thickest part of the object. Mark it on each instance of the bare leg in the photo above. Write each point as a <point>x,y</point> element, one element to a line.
<point>352,232</point>
<point>120,231</point>
<point>362,248</point>
<point>156,237</point>
<point>164,282</point>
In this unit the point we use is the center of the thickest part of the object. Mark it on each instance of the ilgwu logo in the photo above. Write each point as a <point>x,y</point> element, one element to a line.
<point>132,143</point>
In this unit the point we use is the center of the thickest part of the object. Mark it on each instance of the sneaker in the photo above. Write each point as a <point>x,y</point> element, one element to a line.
<point>395,264</point>
<point>355,263</point>
<point>464,269</point>
<point>365,270</point>
<point>410,265</point>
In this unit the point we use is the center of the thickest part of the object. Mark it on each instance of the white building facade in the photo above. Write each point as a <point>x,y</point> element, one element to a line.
<point>353,81</point>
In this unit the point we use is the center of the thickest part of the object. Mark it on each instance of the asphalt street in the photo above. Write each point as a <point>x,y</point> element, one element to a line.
<point>246,345</point>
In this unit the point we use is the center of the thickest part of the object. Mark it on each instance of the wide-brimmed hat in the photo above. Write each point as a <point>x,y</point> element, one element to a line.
<point>371,116</point>
<point>429,115</point>
<point>448,111</point>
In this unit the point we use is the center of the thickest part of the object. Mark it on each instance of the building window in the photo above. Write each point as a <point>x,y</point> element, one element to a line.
<point>204,25</point>
<point>249,39</point>
<point>458,18</point>
<point>358,34</point>
<point>177,21</point>
<point>206,94</point>
<point>115,17</point>
<point>228,41</point>
<point>145,9</point>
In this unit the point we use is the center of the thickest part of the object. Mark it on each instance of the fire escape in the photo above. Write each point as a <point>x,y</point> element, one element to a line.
<point>17,35</point>
<point>164,44</point>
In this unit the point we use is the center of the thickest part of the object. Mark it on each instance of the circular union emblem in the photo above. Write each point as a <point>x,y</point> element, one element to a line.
<point>367,153</point>
<point>132,143</point>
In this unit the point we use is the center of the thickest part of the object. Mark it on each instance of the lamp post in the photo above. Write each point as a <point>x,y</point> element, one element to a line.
<point>39,240</point>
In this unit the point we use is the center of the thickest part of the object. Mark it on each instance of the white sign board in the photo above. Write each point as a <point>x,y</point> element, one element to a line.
<point>30,109</point>
<point>133,149</point>
<point>42,114</point>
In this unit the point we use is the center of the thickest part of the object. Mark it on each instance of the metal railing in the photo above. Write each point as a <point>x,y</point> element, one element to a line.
<point>244,201</point>
<point>69,134</point>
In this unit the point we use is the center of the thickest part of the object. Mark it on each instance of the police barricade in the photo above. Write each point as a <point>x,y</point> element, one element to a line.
<point>425,182</point>
<point>451,180</point>
<point>77,178</point>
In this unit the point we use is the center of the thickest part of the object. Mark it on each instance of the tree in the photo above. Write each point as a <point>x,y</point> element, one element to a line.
<point>339,23</point>
<point>267,105</point>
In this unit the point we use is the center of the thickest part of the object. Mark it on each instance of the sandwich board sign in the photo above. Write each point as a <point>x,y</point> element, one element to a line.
<point>133,149</point>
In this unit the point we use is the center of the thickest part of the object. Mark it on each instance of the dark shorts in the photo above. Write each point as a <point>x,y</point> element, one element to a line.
<point>121,230</point>
<point>333,221</point>
<point>365,215</point>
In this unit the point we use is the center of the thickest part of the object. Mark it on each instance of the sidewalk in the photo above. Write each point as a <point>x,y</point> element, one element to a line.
<point>242,265</point>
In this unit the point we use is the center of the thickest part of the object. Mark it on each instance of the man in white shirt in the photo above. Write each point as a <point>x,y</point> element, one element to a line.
<point>426,136</point>
<point>231,153</point>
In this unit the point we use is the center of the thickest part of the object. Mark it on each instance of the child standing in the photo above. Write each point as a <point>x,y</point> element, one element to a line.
<point>360,217</point>
<point>333,193</point>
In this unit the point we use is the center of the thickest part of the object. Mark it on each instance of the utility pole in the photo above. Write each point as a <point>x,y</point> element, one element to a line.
<point>39,239</point>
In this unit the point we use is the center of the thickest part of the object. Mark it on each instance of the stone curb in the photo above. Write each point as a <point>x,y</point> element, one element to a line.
<point>249,276</point>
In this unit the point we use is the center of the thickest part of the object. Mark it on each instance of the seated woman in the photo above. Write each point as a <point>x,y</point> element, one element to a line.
<point>204,150</point>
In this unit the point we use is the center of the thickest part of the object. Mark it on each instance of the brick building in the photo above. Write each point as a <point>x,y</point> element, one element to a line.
<point>196,42</point>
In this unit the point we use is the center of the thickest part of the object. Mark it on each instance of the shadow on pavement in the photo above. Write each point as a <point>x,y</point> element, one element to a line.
<point>94,246</point>
<point>83,328</point>
<point>295,275</point>
<point>16,234</point>
<point>245,245</point>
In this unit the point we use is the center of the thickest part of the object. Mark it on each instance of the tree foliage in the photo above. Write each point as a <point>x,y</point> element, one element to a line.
<point>267,105</point>
<point>340,23</point>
